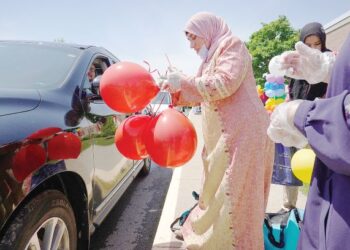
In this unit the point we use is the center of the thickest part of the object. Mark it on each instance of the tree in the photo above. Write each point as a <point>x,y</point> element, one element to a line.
<point>271,40</point>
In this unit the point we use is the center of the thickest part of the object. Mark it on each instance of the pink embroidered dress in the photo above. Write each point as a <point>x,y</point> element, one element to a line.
<point>237,155</point>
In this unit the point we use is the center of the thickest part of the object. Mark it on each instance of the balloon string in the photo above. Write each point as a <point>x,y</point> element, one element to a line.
<point>149,68</point>
<point>161,102</point>
<point>153,113</point>
<point>167,58</point>
<point>150,111</point>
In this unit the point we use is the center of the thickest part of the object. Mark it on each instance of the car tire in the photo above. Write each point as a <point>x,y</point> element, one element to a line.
<point>49,210</point>
<point>146,168</point>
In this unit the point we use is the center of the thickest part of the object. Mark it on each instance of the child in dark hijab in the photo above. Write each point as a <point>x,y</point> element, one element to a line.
<point>314,36</point>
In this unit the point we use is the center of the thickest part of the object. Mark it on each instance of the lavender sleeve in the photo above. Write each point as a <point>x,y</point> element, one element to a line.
<point>326,125</point>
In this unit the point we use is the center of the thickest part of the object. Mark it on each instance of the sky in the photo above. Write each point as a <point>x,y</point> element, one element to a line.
<point>148,30</point>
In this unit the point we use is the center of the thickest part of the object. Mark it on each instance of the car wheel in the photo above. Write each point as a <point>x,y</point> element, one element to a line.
<point>45,222</point>
<point>146,168</point>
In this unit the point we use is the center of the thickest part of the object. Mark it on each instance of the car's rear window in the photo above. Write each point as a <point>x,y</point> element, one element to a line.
<point>26,65</point>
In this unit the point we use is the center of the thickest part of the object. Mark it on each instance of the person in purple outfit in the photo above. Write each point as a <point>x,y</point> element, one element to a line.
<point>314,36</point>
<point>325,125</point>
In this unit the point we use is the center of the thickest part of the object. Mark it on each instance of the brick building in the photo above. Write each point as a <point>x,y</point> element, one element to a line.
<point>337,30</point>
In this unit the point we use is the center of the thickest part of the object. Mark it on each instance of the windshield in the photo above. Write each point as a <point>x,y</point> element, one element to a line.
<point>162,97</point>
<point>26,65</point>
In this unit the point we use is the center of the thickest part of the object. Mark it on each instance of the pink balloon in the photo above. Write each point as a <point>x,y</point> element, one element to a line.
<point>270,78</point>
<point>279,79</point>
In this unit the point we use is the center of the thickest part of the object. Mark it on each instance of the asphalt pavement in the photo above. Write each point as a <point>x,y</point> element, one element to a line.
<point>132,223</point>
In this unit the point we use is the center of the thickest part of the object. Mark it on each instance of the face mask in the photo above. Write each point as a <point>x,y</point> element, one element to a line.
<point>203,52</point>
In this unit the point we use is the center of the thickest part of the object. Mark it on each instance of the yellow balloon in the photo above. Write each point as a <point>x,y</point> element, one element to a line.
<point>302,164</point>
<point>279,101</point>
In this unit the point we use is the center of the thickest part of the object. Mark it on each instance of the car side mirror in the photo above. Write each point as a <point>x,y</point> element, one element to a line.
<point>95,86</point>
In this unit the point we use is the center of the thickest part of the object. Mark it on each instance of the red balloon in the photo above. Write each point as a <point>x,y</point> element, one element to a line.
<point>43,133</point>
<point>263,97</point>
<point>129,137</point>
<point>64,146</point>
<point>170,138</point>
<point>127,87</point>
<point>26,160</point>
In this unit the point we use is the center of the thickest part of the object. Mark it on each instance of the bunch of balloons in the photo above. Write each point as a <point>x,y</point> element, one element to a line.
<point>274,89</point>
<point>168,138</point>
<point>263,97</point>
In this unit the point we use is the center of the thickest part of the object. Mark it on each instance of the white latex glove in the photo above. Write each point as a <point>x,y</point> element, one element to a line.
<point>160,81</point>
<point>305,63</point>
<point>277,67</point>
<point>282,129</point>
<point>173,69</point>
<point>173,81</point>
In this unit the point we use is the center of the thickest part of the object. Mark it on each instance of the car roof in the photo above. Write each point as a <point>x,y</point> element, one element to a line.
<point>55,44</point>
<point>58,44</point>
<point>63,44</point>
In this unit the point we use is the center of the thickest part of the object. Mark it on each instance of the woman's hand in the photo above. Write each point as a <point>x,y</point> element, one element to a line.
<point>282,129</point>
<point>175,96</point>
<point>305,63</point>
<point>201,204</point>
<point>172,83</point>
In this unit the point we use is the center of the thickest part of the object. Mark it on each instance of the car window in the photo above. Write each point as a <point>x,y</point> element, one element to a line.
<point>162,97</point>
<point>93,74</point>
<point>34,65</point>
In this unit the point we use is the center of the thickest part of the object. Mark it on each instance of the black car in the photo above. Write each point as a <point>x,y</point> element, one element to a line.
<point>60,172</point>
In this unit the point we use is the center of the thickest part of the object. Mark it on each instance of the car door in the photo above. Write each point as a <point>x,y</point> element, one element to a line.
<point>110,166</point>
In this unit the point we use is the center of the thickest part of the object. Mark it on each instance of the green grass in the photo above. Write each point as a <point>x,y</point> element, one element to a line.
<point>104,141</point>
<point>86,143</point>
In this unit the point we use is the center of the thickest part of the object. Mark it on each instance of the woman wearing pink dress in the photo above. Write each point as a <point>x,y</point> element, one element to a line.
<point>237,154</point>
